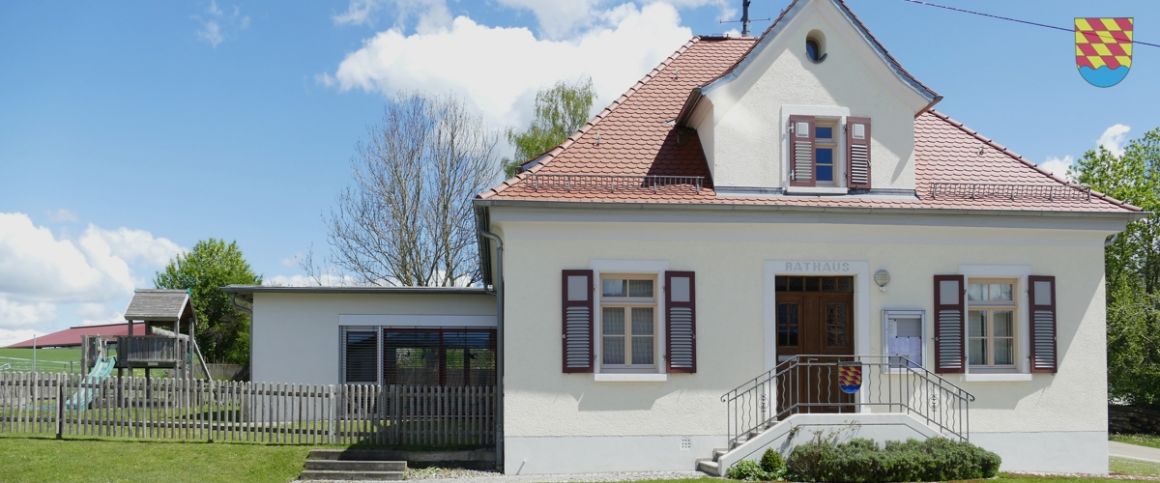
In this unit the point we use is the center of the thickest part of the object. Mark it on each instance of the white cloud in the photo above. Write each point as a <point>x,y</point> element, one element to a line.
<point>62,215</point>
<point>558,18</point>
<point>49,281</point>
<point>499,69</point>
<point>216,25</point>
<point>431,15</point>
<point>1113,138</point>
<point>98,314</point>
<point>12,336</point>
<point>132,245</point>
<point>14,314</point>
<point>292,261</point>
<point>298,280</point>
<point>1058,166</point>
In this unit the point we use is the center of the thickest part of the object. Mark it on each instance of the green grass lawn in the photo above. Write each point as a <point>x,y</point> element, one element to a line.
<point>48,360</point>
<point>31,459</point>
<point>1137,439</point>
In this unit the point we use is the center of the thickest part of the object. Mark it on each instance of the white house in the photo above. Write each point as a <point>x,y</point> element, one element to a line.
<point>765,235</point>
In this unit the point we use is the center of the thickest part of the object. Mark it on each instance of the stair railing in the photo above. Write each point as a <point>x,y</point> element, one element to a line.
<point>820,383</point>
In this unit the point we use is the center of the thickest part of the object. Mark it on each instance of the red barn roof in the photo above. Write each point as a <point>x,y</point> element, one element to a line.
<point>72,336</point>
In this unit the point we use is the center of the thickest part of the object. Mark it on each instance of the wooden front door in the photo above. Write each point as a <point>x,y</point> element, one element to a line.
<point>815,321</point>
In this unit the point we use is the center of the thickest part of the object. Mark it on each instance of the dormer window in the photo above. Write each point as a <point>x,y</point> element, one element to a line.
<point>825,152</point>
<point>829,152</point>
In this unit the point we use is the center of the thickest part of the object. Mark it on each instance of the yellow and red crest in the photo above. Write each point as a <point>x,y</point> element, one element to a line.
<point>850,378</point>
<point>1103,49</point>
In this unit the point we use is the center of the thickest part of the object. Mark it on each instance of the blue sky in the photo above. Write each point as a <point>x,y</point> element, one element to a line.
<point>130,130</point>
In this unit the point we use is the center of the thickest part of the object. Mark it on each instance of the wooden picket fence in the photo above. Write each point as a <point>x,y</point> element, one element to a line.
<point>411,417</point>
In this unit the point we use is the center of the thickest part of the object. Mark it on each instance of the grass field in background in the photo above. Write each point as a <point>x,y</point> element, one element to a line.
<point>1137,439</point>
<point>48,360</point>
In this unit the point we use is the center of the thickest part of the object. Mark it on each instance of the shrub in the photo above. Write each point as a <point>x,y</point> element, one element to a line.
<point>773,464</point>
<point>936,459</point>
<point>747,470</point>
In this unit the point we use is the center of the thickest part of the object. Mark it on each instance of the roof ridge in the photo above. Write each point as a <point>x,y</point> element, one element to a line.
<point>552,153</point>
<point>1016,156</point>
<point>840,4</point>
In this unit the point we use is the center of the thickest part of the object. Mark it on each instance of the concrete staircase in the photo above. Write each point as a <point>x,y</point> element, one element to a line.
<point>797,429</point>
<point>351,465</point>
<point>712,466</point>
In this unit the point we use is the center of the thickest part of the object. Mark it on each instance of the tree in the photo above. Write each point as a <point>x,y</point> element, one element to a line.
<point>408,218</point>
<point>1131,267</point>
<point>560,111</point>
<point>223,331</point>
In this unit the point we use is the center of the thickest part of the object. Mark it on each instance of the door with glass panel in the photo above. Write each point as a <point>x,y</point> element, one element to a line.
<point>815,323</point>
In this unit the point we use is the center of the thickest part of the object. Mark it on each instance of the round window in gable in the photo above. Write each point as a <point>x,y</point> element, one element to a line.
<point>816,47</point>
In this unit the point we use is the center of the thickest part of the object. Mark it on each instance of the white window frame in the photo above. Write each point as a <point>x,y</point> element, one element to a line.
<point>834,114</point>
<point>837,160</point>
<point>655,268</point>
<point>1022,372</point>
<point>627,304</point>
<point>909,313</point>
<point>988,338</point>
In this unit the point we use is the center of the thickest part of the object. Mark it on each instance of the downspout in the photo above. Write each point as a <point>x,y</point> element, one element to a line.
<point>499,361</point>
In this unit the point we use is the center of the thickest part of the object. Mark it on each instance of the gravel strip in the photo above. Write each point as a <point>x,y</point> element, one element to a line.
<point>446,475</point>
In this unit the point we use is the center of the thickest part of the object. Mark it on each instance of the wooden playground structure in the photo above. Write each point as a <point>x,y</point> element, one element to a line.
<point>168,327</point>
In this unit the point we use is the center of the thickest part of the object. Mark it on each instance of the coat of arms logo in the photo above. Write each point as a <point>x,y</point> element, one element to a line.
<point>1103,49</point>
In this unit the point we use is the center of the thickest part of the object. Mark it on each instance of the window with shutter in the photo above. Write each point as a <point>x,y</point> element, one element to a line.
<point>577,320</point>
<point>858,152</point>
<point>681,321</point>
<point>801,151</point>
<point>1041,292</point>
<point>949,353</point>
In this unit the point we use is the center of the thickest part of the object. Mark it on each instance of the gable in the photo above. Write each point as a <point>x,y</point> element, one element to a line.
<point>742,116</point>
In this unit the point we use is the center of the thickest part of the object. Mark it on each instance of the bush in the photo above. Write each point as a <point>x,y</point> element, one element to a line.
<point>772,467</point>
<point>936,459</point>
<point>747,470</point>
<point>773,464</point>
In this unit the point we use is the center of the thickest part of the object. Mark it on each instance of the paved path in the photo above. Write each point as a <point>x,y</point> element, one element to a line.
<point>1136,452</point>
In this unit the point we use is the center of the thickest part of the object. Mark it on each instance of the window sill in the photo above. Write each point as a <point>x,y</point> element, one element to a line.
<point>1011,377</point>
<point>816,190</point>
<point>605,377</point>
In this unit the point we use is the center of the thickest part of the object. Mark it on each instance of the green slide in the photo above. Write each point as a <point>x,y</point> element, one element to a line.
<point>83,397</point>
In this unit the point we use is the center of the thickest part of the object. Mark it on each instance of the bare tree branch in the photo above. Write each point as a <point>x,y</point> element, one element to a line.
<point>407,220</point>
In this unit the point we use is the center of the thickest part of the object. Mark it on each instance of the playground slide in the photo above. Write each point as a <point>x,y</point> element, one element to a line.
<point>101,371</point>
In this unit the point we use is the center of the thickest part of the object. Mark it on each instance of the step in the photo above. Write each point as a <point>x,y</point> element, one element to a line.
<point>352,455</point>
<point>708,467</point>
<point>718,453</point>
<point>355,465</point>
<point>350,475</point>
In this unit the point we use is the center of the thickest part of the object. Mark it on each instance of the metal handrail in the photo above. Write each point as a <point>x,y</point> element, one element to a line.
<point>806,383</point>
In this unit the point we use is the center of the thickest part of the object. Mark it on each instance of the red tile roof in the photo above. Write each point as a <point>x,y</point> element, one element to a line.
<point>635,137</point>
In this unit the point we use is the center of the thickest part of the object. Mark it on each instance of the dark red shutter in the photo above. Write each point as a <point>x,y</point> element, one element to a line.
<point>681,321</point>
<point>801,151</point>
<point>858,152</point>
<point>1041,293</point>
<point>576,287</point>
<point>949,346</point>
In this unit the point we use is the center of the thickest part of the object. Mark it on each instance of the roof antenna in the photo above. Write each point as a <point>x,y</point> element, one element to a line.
<point>745,20</point>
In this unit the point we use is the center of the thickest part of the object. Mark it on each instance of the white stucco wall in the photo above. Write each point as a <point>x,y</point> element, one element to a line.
<point>295,336</point>
<point>548,411</point>
<point>740,123</point>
